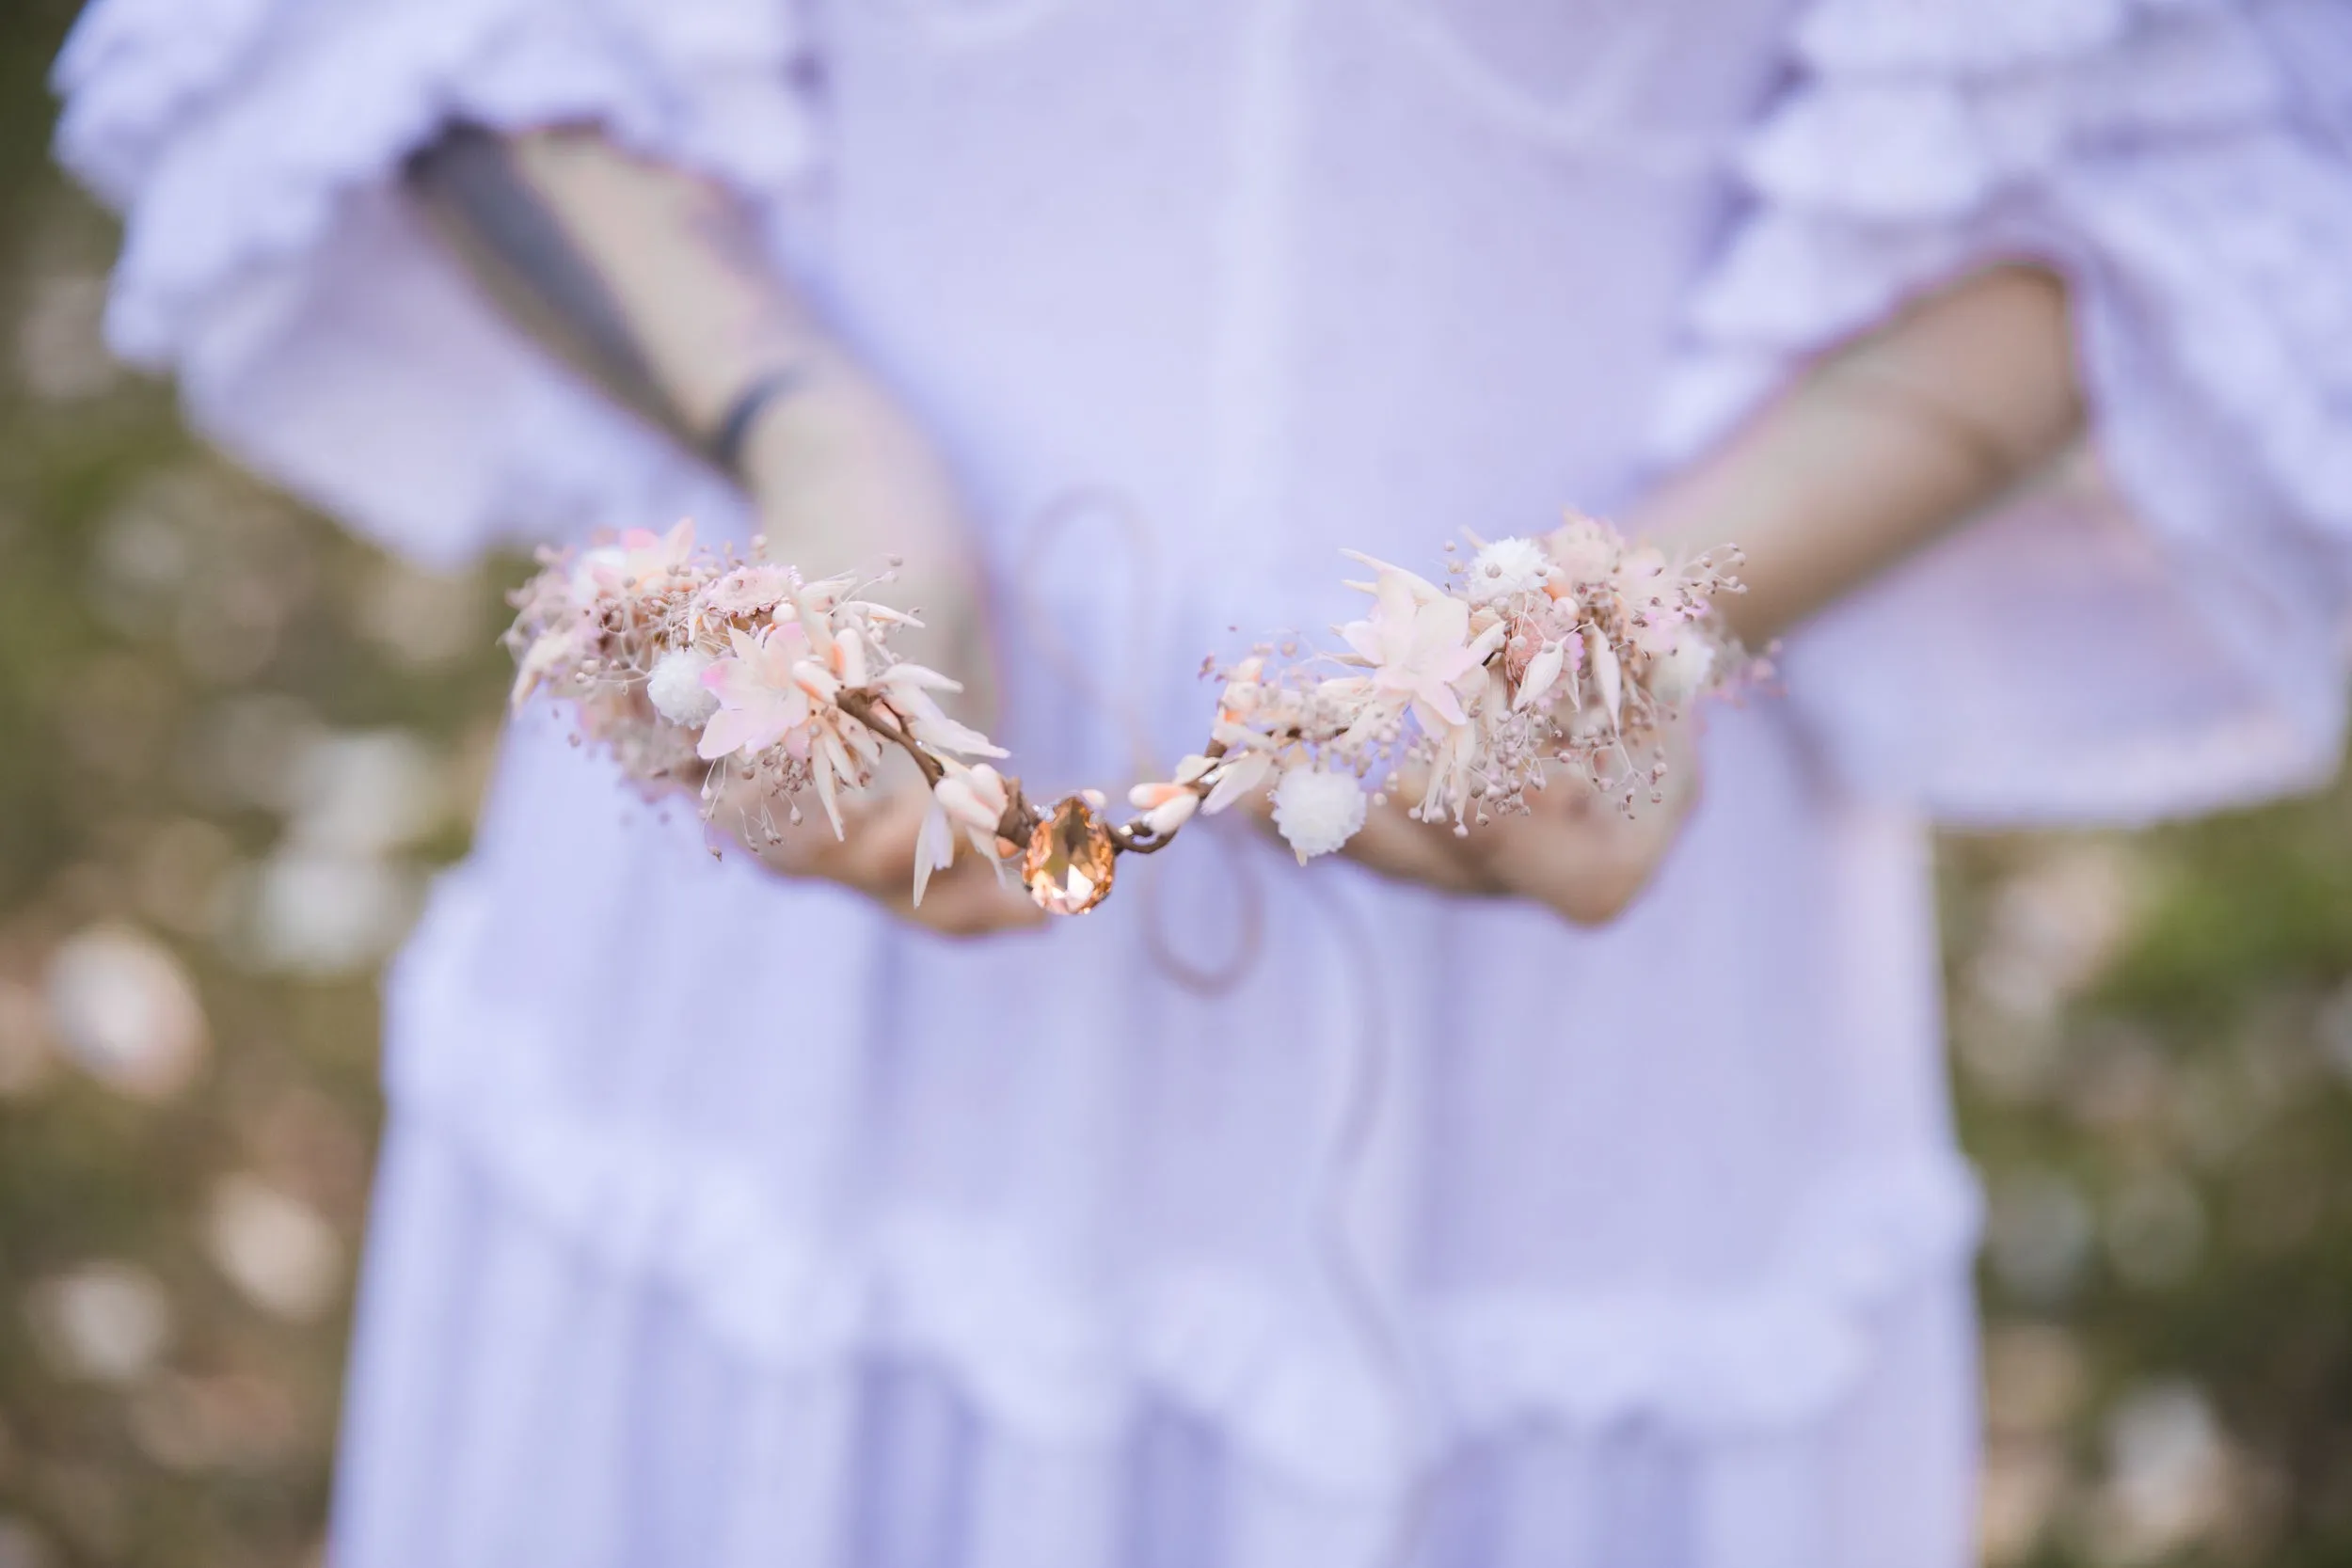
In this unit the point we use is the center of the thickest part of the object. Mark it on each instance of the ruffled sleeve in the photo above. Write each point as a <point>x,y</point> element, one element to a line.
<point>2163,628</point>
<point>269,259</point>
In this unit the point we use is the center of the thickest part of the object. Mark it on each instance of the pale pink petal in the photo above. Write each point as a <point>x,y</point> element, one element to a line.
<point>934,848</point>
<point>725,734</point>
<point>1440,628</point>
<point>839,754</point>
<point>914,677</point>
<point>1417,587</point>
<point>818,682</point>
<point>929,723</point>
<point>1394,608</point>
<point>962,801</point>
<point>1239,777</point>
<point>991,787</point>
<point>1364,638</point>
<point>1172,812</point>
<point>1440,699</point>
<point>814,626</point>
<point>1605,673</point>
<point>820,770</point>
<point>1542,673</point>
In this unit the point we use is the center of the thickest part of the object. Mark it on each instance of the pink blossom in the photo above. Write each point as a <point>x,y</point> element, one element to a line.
<point>644,555</point>
<point>1419,647</point>
<point>760,697</point>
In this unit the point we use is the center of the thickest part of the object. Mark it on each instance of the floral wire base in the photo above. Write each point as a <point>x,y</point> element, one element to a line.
<point>1567,653</point>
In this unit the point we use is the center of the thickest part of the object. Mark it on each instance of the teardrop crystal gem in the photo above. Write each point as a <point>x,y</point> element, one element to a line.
<point>1068,868</point>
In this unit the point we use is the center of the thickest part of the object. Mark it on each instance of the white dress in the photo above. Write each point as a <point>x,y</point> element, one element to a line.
<point>722,1221</point>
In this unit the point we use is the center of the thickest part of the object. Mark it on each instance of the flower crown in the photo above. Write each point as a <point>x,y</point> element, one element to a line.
<point>1572,650</point>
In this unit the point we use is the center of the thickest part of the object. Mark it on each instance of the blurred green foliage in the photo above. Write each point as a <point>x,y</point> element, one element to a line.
<point>232,740</point>
<point>200,688</point>
<point>2154,1039</point>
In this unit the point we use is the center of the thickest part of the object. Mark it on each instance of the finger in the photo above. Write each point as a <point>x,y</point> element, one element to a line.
<point>964,900</point>
<point>809,848</point>
<point>876,859</point>
<point>1395,844</point>
<point>967,900</point>
<point>1584,854</point>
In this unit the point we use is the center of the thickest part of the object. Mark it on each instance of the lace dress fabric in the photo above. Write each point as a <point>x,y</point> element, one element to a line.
<point>722,1221</point>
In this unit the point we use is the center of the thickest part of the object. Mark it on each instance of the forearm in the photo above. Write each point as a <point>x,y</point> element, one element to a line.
<point>1882,447</point>
<point>651,283</point>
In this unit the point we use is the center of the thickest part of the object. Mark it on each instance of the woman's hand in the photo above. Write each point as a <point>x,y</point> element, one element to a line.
<point>1577,851</point>
<point>659,287</point>
<point>843,480</point>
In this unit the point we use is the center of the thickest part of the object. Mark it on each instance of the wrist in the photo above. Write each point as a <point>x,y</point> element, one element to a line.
<point>811,404</point>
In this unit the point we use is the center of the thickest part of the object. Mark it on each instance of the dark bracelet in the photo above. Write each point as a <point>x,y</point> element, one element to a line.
<point>725,447</point>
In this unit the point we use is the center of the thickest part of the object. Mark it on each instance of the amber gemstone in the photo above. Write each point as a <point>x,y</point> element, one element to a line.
<point>1069,865</point>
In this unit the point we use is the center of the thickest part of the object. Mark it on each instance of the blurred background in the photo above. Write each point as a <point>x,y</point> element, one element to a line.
<point>234,743</point>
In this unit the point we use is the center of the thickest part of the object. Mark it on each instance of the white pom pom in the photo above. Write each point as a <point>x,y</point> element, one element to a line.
<point>1505,568</point>
<point>1682,670</point>
<point>1318,812</point>
<point>677,690</point>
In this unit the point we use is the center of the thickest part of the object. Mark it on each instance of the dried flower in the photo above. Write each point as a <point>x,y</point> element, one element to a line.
<point>1507,568</point>
<point>1585,550</point>
<point>1682,671</point>
<point>1417,647</point>
<point>1318,812</point>
<point>764,692</point>
<point>677,691</point>
<point>934,845</point>
<point>1568,650</point>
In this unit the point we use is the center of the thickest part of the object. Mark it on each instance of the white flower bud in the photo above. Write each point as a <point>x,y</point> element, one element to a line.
<point>677,690</point>
<point>1318,812</point>
<point>1172,812</point>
